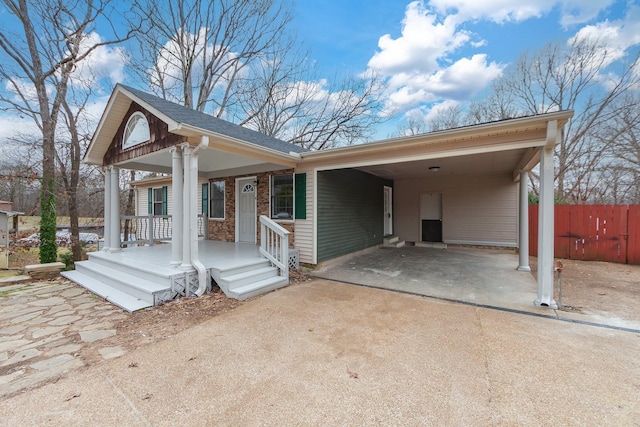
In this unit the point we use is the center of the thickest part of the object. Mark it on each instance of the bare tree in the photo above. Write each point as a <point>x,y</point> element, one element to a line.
<point>314,112</point>
<point>498,105</point>
<point>622,135</point>
<point>448,117</point>
<point>412,127</point>
<point>196,52</point>
<point>576,77</point>
<point>42,51</point>
<point>237,60</point>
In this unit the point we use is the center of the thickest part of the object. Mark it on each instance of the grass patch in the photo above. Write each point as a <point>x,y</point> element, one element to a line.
<point>22,257</point>
<point>31,224</point>
<point>12,290</point>
<point>8,273</point>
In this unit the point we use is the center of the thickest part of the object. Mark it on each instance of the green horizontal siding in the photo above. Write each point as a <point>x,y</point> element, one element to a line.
<point>350,212</point>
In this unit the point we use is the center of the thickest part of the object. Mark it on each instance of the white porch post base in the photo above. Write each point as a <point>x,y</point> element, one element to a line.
<point>523,241</point>
<point>545,222</point>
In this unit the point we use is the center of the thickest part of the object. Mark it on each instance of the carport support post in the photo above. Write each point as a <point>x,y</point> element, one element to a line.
<point>176,220</point>
<point>106,233</point>
<point>545,221</point>
<point>114,244</point>
<point>523,240</point>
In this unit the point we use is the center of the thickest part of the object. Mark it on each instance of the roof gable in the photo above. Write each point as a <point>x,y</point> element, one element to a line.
<point>176,117</point>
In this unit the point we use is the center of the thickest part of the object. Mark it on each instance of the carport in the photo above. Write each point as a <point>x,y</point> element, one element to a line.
<point>466,186</point>
<point>484,277</point>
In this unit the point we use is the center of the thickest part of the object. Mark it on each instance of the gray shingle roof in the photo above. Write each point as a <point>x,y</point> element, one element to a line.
<point>182,114</point>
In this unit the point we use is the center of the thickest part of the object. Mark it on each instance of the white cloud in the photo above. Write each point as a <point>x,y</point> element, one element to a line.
<point>501,11</point>
<point>581,11</point>
<point>425,39</point>
<point>494,10</point>
<point>418,65</point>
<point>104,62</point>
<point>616,36</point>
<point>428,114</point>
<point>15,128</point>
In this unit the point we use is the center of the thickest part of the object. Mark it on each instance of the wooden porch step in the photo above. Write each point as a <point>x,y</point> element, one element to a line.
<point>121,299</point>
<point>246,277</point>
<point>123,281</point>
<point>258,288</point>
<point>132,266</point>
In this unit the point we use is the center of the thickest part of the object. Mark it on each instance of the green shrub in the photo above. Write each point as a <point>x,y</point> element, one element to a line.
<point>48,247</point>
<point>66,257</point>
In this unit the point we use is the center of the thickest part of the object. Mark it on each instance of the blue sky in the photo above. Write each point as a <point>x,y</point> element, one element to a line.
<point>451,50</point>
<point>431,53</point>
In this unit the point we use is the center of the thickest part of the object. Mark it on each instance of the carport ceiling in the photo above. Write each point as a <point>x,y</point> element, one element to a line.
<point>497,163</point>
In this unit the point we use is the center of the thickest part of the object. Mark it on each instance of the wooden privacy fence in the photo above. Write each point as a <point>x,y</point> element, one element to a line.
<point>592,232</point>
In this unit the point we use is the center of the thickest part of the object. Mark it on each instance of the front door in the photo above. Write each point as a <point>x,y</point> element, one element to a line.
<point>388,211</point>
<point>246,210</point>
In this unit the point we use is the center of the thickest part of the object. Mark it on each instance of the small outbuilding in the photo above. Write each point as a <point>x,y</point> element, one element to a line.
<point>8,228</point>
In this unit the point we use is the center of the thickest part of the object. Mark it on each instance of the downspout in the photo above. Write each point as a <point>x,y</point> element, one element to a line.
<point>193,232</point>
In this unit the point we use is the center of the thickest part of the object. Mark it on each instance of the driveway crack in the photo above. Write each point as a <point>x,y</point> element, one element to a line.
<point>487,376</point>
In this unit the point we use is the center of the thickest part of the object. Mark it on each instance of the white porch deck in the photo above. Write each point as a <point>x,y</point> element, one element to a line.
<point>142,276</point>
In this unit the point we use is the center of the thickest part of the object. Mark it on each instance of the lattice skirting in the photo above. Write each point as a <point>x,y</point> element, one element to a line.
<point>294,259</point>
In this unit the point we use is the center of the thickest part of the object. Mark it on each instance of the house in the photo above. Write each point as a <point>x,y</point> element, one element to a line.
<point>235,193</point>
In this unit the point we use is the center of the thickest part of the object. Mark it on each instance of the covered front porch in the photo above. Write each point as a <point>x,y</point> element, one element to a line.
<point>147,259</point>
<point>137,277</point>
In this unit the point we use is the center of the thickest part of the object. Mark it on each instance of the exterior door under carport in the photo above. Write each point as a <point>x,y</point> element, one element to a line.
<point>431,217</point>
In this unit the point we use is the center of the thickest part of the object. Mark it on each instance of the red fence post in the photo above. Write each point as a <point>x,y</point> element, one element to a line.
<point>633,234</point>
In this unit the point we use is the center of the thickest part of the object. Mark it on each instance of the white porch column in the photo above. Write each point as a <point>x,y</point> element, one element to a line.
<point>107,210</point>
<point>114,243</point>
<point>186,210</point>
<point>523,240</point>
<point>545,221</point>
<point>176,218</point>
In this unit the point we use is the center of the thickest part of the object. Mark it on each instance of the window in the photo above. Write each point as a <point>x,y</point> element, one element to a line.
<point>282,196</point>
<point>216,201</point>
<point>136,131</point>
<point>157,200</point>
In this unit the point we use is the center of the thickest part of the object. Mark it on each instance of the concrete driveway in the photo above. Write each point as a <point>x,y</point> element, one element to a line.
<point>479,276</point>
<point>324,353</point>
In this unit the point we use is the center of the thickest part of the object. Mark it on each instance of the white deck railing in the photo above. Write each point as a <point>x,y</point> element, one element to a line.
<point>274,244</point>
<point>150,229</point>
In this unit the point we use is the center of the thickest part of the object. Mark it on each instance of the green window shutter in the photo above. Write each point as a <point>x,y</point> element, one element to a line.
<point>165,198</point>
<point>205,199</point>
<point>301,196</point>
<point>150,200</point>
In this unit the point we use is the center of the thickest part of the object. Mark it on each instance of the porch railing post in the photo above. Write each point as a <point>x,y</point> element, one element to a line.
<point>151,229</point>
<point>274,244</point>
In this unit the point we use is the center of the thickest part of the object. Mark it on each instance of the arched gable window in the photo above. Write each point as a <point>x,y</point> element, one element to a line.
<point>136,131</point>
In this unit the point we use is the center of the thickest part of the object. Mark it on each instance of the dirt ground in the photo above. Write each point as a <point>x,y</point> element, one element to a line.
<point>159,323</point>
<point>607,289</point>
<point>595,287</point>
<point>587,287</point>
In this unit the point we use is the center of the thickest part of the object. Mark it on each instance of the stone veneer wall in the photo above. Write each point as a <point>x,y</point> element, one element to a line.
<point>224,230</point>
